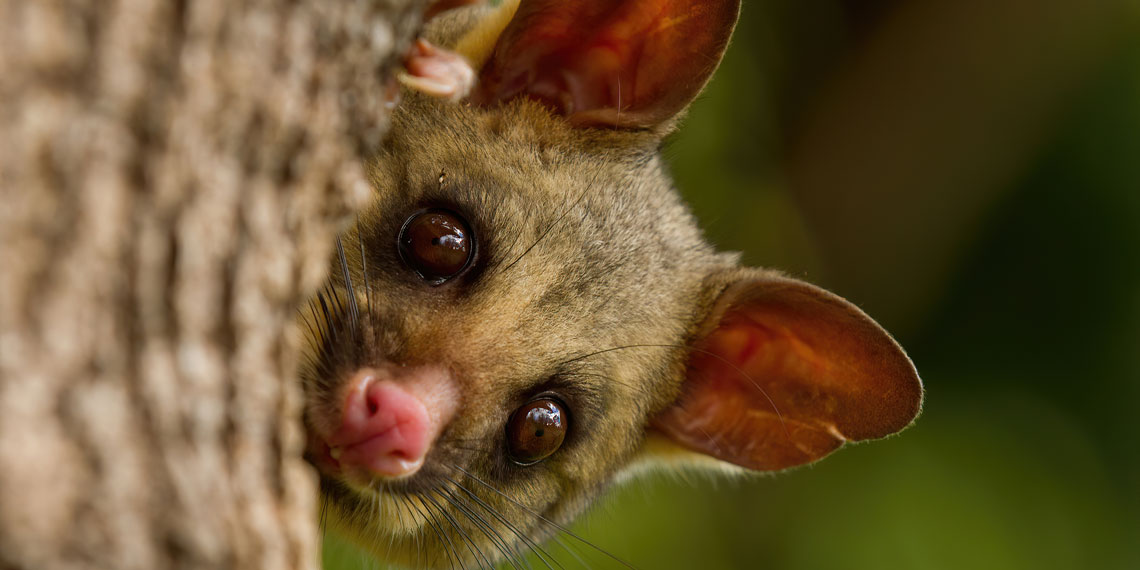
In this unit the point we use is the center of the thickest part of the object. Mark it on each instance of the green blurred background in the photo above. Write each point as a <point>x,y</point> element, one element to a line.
<point>968,172</point>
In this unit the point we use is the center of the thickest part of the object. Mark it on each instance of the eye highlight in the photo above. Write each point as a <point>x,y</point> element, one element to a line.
<point>536,430</point>
<point>437,244</point>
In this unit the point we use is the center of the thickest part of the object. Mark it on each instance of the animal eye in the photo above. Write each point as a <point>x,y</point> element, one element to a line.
<point>437,244</point>
<point>536,430</point>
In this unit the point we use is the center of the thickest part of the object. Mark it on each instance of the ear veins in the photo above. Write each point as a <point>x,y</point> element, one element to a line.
<point>835,374</point>
<point>752,345</point>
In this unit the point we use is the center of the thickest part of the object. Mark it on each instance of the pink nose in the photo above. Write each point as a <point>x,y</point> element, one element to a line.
<point>390,421</point>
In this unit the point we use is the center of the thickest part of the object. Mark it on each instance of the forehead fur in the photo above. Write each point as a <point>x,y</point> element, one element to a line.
<point>568,223</point>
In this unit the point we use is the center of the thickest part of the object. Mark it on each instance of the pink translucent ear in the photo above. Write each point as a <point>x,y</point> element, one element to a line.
<point>616,63</point>
<point>786,374</point>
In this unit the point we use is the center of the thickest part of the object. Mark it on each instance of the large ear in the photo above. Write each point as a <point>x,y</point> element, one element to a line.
<point>785,373</point>
<point>617,63</point>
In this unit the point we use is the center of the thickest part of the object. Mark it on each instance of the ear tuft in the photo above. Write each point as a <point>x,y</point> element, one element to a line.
<point>787,373</point>
<point>616,63</point>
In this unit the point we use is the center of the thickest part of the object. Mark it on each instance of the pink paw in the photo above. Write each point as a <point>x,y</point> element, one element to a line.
<point>437,72</point>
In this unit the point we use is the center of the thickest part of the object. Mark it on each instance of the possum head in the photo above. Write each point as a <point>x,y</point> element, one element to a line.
<point>527,310</point>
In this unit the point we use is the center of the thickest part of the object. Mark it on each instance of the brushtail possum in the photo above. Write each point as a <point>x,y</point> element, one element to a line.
<point>527,311</point>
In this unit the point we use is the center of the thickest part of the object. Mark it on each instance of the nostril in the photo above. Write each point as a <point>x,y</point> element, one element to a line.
<point>389,422</point>
<point>390,431</point>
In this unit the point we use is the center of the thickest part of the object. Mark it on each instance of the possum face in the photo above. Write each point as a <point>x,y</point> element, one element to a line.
<point>526,304</point>
<point>516,306</point>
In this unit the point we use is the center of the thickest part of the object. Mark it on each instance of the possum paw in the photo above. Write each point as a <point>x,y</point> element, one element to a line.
<point>437,72</point>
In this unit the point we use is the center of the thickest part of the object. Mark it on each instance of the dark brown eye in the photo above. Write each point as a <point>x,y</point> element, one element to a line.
<point>536,430</point>
<point>437,244</point>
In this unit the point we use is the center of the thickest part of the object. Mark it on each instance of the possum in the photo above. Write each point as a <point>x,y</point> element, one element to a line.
<point>527,312</point>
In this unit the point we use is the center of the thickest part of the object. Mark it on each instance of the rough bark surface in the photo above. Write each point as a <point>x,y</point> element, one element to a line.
<point>171,176</point>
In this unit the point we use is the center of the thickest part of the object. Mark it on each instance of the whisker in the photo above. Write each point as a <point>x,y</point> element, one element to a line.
<point>327,314</point>
<point>412,510</point>
<point>471,449</point>
<point>585,191</point>
<point>570,550</point>
<point>324,524</point>
<point>477,552</point>
<point>542,518</point>
<point>444,539</point>
<point>715,444</point>
<point>337,303</point>
<point>377,506</point>
<point>309,324</point>
<point>353,309</point>
<point>640,389</point>
<point>314,314</point>
<point>483,525</point>
<point>506,522</point>
<point>407,504</point>
<point>364,274</point>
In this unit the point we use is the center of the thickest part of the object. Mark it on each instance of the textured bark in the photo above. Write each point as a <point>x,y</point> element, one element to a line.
<point>171,176</point>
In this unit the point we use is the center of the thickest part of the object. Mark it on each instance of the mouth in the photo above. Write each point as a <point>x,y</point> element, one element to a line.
<point>335,465</point>
<point>320,455</point>
<point>343,462</point>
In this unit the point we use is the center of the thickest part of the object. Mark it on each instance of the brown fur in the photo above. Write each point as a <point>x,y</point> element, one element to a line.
<point>583,246</point>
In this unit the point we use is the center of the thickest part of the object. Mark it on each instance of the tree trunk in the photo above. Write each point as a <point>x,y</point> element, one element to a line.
<point>172,175</point>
